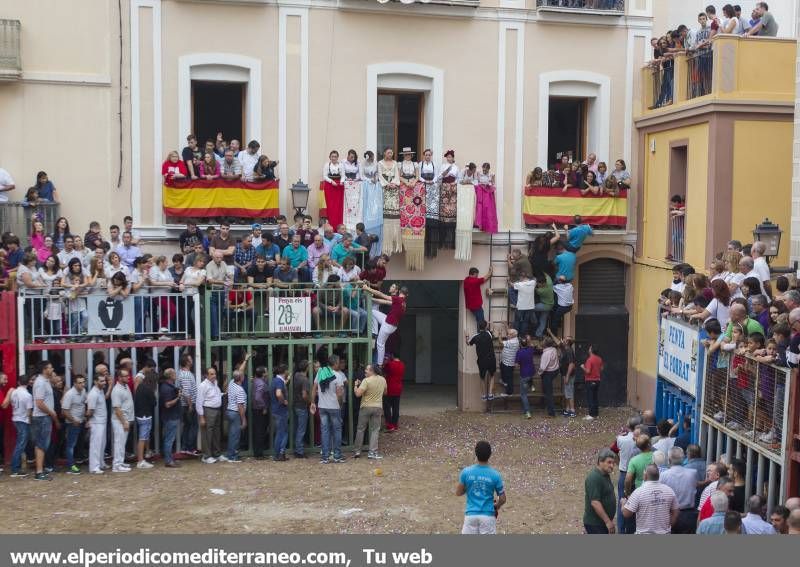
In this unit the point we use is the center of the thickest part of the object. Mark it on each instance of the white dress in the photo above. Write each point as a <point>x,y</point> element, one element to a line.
<point>353,202</point>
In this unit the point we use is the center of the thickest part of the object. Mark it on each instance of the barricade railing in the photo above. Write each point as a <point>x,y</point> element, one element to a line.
<point>662,74</point>
<point>584,5</point>
<point>745,414</point>
<point>283,310</point>
<point>699,73</point>
<point>17,217</point>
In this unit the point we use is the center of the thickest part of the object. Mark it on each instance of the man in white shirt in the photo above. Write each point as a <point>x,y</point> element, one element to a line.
<point>591,162</point>
<point>6,184</point>
<point>121,419</point>
<point>753,522</point>
<point>73,408</point>
<point>68,253</point>
<point>761,268</point>
<point>97,416</point>
<point>208,406</point>
<point>21,403</point>
<point>249,158</point>
<point>44,417</point>
<point>330,384</point>
<point>654,504</point>
<point>525,318</point>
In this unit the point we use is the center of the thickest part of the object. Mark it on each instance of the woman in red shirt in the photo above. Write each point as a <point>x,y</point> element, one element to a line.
<point>591,376</point>
<point>387,323</point>
<point>393,371</point>
<point>173,168</point>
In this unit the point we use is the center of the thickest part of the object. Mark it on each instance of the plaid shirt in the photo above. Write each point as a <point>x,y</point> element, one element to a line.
<point>244,257</point>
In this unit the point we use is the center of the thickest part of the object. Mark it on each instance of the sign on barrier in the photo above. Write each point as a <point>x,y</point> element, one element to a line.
<point>678,354</point>
<point>290,314</point>
<point>107,316</point>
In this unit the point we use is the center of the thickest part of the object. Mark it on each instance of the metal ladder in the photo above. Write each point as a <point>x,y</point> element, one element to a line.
<point>499,309</point>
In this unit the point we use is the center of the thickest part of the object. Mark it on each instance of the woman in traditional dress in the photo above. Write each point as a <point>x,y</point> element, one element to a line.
<point>388,176</point>
<point>427,175</point>
<point>465,212</point>
<point>412,212</point>
<point>448,175</point>
<point>373,201</point>
<point>485,201</point>
<point>333,188</point>
<point>353,203</point>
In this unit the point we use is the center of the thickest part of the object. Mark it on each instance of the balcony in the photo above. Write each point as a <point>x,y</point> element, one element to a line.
<point>603,7</point>
<point>734,69</point>
<point>10,59</point>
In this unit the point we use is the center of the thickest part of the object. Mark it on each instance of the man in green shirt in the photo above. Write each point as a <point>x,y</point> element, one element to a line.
<point>766,25</point>
<point>544,302</point>
<point>637,465</point>
<point>600,503</point>
<point>738,314</point>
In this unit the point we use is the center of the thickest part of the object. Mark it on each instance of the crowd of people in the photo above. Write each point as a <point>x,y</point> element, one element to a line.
<point>666,485</point>
<point>590,176</point>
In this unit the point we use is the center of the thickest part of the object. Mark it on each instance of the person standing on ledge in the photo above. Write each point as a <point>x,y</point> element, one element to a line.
<point>481,483</point>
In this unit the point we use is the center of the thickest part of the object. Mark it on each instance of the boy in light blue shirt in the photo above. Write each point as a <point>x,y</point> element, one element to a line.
<point>481,483</point>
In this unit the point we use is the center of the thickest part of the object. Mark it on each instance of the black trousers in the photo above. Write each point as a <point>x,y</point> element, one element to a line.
<point>686,523</point>
<point>592,397</point>
<point>259,432</point>
<point>547,386</point>
<point>391,409</point>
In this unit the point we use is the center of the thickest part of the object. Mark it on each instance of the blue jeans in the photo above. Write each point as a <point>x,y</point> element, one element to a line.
<point>358,320</point>
<point>479,315</point>
<point>300,426</point>
<point>513,294</point>
<point>170,430</point>
<point>331,423</point>
<point>189,433</point>
<point>41,428</point>
<point>525,384</point>
<point>138,314</point>
<point>280,424</point>
<point>78,322</point>
<point>524,320</point>
<point>73,434</point>
<point>624,525</point>
<point>234,433</point>
<point>23,432</point>
<point>542,313</point>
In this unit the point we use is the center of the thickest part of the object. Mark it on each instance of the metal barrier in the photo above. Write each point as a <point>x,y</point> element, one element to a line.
<point>744,414</point>
<point>17,217</point>
<point>699,73</point>
<point>284,325</point>
<point>662,75</point>
<point>677,238</point>
<point>603,5</point>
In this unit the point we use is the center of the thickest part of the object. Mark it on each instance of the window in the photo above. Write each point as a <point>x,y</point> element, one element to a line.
<point>678,176</point>
<point>218,106</point>
<point>400,120</point>
<point>566,128</point>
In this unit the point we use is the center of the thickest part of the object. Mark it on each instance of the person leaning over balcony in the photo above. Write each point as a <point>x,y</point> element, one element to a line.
<point>208,168</point>
<point>249,158</point>
<point>621,174</point>
<point>47,191</point>
<point>719,307</point>
<point>191,156</point>
<point>231,168</point>
<point>173,168</point>
<point>766,25</point>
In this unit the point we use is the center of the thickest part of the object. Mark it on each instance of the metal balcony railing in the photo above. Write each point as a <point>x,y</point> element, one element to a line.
<point>699,73</point>
<point>18,216</point>
<point>662,75</point>
<point>10,59</point>
<point>677,238</point>
<point>617,6</point>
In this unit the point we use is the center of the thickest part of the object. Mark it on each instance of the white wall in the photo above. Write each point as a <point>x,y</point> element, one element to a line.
<point>670,14</point>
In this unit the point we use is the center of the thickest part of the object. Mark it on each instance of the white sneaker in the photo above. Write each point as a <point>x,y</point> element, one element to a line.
<point>98,471</point>
<point>223,459</point>
<point>125,466</point>
<point>588,418</point>
<point>120,470</point>
<point>163,330</point>
<point>209,460</point>
<point>144,465</point>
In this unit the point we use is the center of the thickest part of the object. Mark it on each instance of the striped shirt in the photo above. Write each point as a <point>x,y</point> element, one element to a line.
<point>187,384</point>
<point>236,396</point>
<point>509,355</point>
<point>653,503</point>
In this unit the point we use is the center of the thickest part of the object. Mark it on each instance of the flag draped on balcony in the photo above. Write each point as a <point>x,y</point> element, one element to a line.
<point>218,197</point>
<point>546,205</point>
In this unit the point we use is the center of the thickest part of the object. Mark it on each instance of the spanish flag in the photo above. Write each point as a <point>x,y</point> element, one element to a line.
<point>548,205</point>
<point>220,198</point>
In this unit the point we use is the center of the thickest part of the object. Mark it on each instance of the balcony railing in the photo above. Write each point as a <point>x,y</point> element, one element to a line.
<point>699,73</point>
<point>677,238</point>
<point>615,6</point>
<point>662,77</point>
<point>10,59</point>
<point>17,216</point>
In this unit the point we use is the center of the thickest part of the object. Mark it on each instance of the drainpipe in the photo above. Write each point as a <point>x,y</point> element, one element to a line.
<point>795,228</point>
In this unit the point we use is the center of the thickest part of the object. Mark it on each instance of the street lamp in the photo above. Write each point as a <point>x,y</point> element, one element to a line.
<point>300,193</point>
<point>770,234</point>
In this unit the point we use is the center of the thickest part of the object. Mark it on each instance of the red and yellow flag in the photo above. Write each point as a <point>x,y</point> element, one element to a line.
<point>219,198</point>
<point>548,205</point>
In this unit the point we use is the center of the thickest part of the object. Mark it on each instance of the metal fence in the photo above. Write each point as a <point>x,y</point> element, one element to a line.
<point>662,74</point>
<point>604,5</point>
<point>699,73</point>
<point>17,217</point>
<point>744,414</point>
<point>677,238</point>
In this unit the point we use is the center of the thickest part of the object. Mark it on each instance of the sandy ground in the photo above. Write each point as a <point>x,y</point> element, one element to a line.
<point>543,462</point>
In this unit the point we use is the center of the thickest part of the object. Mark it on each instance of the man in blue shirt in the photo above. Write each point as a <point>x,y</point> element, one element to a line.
<point>480,483</point>
<point>279,406</point>
<point>268,249</point>
<point>565,263</point>
<point>344,249</point>
<point>576,235</point>
<point>298,259</point>
<point>715,525</point>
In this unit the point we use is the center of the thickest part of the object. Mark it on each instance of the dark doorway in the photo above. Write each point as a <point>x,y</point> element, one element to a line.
<point>218,107</point>
<point>602,320</point>
<point>566,128</point>
<point>400,120</point>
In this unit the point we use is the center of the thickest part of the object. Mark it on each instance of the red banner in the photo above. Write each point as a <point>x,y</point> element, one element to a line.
<point>218,197</point>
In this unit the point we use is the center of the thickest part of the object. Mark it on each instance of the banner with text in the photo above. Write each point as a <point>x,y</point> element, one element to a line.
<point>679,354</point>
<point>290,314</point>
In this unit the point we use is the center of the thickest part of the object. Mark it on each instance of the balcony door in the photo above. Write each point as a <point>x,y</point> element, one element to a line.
<point>218,106</point>
<point>401,119</point>
<point>566,128</point>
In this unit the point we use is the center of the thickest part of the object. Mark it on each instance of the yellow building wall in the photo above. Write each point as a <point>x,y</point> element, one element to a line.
<point>655,193</point>
<point>762,179</point>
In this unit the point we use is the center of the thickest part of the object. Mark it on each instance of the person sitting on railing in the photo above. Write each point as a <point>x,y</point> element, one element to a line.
<point>284,274</point>
<point>173,168</point>
<point>297,256</point>
<point>330,302</point>
<point>209,167</point>
<point>268,249</point>
<point>6,184</point>
<point>231,169</point>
